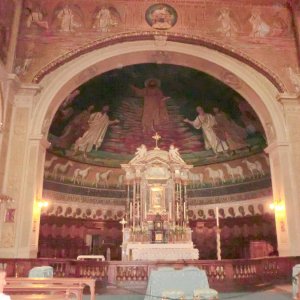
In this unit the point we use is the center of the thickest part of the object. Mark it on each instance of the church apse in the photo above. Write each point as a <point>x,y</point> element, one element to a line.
<point>105,120</point>
<point>111,120</point>
<point>100,125</point>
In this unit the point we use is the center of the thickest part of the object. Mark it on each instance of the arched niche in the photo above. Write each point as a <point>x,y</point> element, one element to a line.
<point>249,82</point>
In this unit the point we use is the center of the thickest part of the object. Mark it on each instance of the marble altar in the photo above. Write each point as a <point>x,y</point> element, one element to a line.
<point>178,251</point>
<point>157,204</point>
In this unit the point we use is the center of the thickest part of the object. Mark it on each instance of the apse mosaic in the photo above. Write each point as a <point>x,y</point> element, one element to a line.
<point>6,18</point>
<point>51,31</point>
<point>106,119</point>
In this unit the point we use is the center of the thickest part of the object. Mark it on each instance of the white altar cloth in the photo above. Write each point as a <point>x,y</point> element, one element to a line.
<point>139,251</point>
<point>96,257</point>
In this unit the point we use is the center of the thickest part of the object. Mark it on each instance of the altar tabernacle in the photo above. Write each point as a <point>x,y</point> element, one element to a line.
<point>157,206</point>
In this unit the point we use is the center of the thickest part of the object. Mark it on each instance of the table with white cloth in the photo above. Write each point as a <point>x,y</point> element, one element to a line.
<point>95,257</point>
<point>189,282</point>
<point>41,272</point>
<point>296,271</point>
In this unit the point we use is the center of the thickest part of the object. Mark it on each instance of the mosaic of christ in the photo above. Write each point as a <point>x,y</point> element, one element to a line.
<point>106,119</point>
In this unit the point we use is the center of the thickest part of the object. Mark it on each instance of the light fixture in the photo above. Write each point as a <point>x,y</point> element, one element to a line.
<point>277,205</point>
<point>43,204</point>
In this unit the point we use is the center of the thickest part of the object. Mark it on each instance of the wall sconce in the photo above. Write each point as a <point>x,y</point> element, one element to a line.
<point>42,204</point>
<point>277,205</point>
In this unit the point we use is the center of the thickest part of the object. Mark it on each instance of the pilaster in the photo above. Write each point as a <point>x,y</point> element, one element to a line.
<point>23,178</point>
<point>285,163</point>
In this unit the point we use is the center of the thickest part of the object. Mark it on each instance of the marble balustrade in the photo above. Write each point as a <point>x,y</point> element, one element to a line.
<point>224,275</point>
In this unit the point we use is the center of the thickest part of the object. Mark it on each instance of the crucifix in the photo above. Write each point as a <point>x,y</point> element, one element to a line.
<point>156,137</point>
<point>123,223</point>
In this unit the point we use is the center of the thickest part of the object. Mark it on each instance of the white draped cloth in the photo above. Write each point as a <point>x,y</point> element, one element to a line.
<point>98,124</point>
<point>167,282</point>
<point>206,122</point>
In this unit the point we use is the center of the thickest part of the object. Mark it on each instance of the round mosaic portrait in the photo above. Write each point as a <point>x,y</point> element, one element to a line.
<point>161,16</point>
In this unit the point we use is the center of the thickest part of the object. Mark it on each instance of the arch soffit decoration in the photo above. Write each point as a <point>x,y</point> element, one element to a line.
<point>259,87</point>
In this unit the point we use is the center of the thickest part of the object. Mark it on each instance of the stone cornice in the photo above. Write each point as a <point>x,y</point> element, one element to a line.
<point>275,145</point>
<point>282,97</point>
<point>42,140</point>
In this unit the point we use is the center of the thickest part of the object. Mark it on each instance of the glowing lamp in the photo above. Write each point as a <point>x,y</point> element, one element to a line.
<point>42,204</point>
<point>277,206</point>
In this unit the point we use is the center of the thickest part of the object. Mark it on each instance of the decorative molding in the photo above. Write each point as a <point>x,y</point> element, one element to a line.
<point>84,210</point>
<point>42,140</point>
<point>275,145</point>
<point>231,210</point>
<point>230,198</point>
<point>53,196</point>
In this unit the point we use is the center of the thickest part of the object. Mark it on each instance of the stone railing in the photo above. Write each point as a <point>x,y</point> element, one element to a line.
<point>224,275</point>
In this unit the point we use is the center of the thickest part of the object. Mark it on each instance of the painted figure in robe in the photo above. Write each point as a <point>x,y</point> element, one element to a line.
<point>228,26</point>
<point>229,131</point>
<point>35,16</point>
<point>93,137</point>
<point>104,20</point>
<point>76,127</point>
<point>259,27</point>
<point>174,154</point>
<point>207,122</point>
<point>67,19</point>
<point>155,111</point>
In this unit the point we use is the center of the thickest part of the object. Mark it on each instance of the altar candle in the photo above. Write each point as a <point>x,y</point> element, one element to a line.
<point>170,211</point>
<point>180,191</point>
<point>177,211</point>
<point>217,216</point>
<point>138,210</point>
<point>130,210</point>
<point>184,210</point>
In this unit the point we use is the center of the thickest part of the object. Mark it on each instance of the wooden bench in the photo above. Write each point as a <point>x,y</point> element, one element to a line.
<point>73,285</point>
<point>33,297</point>
<point>66,291</point>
